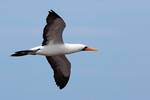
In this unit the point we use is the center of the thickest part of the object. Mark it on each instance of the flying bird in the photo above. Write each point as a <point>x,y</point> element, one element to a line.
<point>54,49</point>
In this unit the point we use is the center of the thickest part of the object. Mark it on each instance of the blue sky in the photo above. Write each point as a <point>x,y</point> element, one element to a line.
<point>118,71</point>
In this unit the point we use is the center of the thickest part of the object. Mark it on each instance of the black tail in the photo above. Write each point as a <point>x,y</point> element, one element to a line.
<point>23,53</point>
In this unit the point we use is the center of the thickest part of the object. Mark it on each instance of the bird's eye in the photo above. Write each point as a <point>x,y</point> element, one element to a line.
<point>84,48</point>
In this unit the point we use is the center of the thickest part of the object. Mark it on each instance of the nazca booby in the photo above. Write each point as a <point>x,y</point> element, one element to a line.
<point>55,49</point>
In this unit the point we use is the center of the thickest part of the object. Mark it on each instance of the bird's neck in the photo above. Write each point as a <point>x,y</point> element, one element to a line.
<point>72,48</point>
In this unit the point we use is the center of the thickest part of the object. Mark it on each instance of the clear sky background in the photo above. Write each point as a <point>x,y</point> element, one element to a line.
<point>120,70</point>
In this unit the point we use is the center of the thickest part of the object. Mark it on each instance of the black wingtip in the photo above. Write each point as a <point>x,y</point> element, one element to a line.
<point>61,88</point>
<point>53,13</point>
<point>51,10</point>
<point>62,82</point>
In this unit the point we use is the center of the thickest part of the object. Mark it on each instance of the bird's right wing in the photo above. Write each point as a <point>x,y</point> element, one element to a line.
<point>54,28</point>
<point>62,69</point>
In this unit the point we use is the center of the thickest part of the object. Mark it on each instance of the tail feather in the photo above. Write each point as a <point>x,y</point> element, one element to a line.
<point>23,53</point>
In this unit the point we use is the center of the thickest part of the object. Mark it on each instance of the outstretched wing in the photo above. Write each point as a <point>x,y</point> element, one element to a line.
<point>62,69</point>
<point>53,29</point>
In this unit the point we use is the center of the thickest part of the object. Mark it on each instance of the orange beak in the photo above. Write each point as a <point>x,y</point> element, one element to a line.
<point>90,49</point>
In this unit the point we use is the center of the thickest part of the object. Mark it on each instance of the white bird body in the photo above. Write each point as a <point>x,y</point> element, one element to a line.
<point>58,49</point>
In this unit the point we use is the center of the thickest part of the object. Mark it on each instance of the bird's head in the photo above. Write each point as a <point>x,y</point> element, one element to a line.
<point>87,48</point>
<point>72,48</point>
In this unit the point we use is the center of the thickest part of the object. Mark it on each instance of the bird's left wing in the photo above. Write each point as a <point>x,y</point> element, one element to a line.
<point>62,69</point>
